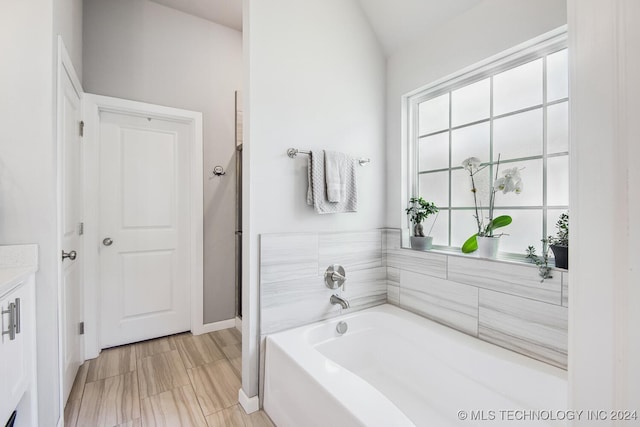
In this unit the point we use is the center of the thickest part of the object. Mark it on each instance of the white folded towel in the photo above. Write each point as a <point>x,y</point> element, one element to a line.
<point>335,174</point>
<point>317,189</point>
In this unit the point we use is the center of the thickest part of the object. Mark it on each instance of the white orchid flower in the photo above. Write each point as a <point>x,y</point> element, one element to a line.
<point>471,164</point>
<point>519,186</point>
<point>509,182</point>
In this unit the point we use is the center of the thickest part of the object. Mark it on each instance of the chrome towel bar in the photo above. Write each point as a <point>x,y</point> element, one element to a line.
<point>293,152</point>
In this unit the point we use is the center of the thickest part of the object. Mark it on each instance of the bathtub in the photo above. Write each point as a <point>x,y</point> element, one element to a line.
<point>393,368</point>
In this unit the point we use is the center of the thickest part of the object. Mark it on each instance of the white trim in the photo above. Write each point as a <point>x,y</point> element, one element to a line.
<point>249,404</point>
<point>215,326</point>
<point>64,66</point>
<point>93,105</point>
<point>502,59</point>
<point>239,324</point>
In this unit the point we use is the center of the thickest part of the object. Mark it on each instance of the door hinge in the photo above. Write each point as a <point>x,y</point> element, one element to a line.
<point>81,328</point>
<point>81,229</point>
<point>81,128</point>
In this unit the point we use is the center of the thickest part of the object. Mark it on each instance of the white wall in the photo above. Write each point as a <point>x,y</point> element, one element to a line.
<point>604,320</point>
<point>315,81</point>
<point>481,32</point>
<point>27,169</point>
<point>140,50</point>
<point>67,22</point>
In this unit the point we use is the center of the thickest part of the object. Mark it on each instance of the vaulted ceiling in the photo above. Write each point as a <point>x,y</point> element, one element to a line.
<point>395,22</point>
<point>223,12</point>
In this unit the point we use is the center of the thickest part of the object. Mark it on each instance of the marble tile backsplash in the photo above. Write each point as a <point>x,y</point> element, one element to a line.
<point>498,302</point>
<point>501,303</point>
<point>292,266</point>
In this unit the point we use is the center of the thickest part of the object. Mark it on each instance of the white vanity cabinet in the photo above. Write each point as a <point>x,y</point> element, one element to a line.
<point>17,344</point>
<point>15,347</point>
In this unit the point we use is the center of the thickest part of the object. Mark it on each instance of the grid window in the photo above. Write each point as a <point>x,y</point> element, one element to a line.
<point>518,111</point>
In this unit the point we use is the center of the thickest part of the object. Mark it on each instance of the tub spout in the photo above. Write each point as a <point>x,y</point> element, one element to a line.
<point>335,299</point>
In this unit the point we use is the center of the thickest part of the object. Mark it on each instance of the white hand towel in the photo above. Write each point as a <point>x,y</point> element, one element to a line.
<point>317,190</point>
<point>335,174</point>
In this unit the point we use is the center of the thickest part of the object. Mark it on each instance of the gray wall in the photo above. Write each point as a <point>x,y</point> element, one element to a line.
<point>140,50</point>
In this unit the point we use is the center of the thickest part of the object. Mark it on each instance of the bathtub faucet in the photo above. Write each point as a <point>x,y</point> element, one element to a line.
<point>335,299</point>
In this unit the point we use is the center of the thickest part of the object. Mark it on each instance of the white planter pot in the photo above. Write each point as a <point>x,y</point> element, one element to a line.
<point>421,243</point>
<point>488,246</point>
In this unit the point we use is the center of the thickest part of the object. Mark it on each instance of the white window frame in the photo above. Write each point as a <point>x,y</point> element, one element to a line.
<point>533,49</point>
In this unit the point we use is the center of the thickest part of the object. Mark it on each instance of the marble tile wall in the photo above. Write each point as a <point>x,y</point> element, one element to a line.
<point>499,302</point>
<point>292,266</point>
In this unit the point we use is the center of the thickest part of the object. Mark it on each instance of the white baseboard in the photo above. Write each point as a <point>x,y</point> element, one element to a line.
<point>215,326</point>
<point>249,404</point>
<point>239,324</point>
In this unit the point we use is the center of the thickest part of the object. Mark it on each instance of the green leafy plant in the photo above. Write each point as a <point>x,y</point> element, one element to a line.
<point>419,210</point>
<point>510,181</point>
<point>541,261</point>
<point>562,235</point>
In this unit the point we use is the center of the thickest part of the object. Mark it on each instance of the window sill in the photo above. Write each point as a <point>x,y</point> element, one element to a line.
<point>503,257</point>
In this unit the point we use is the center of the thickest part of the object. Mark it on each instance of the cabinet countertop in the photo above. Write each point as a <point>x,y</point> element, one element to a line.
<point>17,262</point>
<point>12,276</point>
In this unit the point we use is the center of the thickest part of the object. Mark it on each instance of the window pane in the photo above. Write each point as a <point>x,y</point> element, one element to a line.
<point>557,75</point>
<point>434,152</point>
<point>525,230</point>
<point>440,231</point>
<point>433,115</point>
<point>461,194</point>
<point>558,181</point>
<point>531,173</point>
<point>470,103</point>
<point>517,136</point>
<point>472,141</point>
<point>558,128</point>
<point>434,187</point>
<point>463,226</point>
<point>518,88</point>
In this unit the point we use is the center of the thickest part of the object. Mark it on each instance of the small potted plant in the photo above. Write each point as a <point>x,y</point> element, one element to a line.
<point>419,210</point>
<point>542,262</point>
<point>560,243</point>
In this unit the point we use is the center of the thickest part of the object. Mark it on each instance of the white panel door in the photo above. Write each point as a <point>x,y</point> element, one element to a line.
<point>144,224</point>
<point>71,241</point>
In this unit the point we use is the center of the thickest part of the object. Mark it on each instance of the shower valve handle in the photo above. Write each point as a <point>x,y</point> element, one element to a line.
<point>335,276</point>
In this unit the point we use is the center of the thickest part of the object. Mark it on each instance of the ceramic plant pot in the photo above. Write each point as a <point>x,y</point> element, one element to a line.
<point>421,243</point>
<point>488,246</point>
<point>561,254</point>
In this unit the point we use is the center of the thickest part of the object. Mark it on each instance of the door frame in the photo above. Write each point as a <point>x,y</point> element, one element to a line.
<point>64,66</point>
<point>92,106</point>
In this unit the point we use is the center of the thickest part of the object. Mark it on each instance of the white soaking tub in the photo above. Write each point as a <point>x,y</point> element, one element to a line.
<point>394,368</point>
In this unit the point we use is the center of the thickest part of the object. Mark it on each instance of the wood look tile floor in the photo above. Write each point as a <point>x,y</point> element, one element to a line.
<point>177,381</point>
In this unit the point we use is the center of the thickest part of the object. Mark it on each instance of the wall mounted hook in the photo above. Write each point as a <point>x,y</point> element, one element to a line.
<point>217,171</point>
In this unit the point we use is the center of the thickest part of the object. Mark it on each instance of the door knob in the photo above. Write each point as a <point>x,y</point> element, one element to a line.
<point>107,241</point>
<point>71,255</point>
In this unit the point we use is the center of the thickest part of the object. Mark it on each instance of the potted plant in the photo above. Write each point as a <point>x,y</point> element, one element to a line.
<point>485,241</point>
<point>560,243</point>
<point>419,210</point>
<point>542,262</point>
